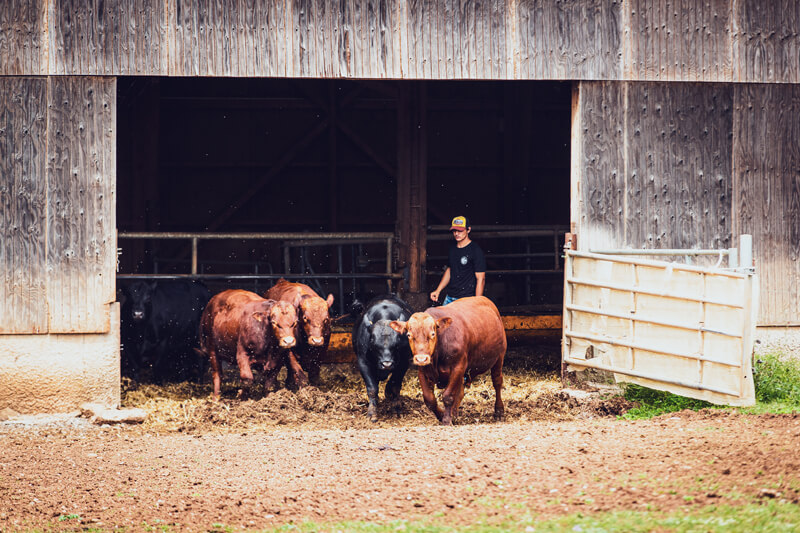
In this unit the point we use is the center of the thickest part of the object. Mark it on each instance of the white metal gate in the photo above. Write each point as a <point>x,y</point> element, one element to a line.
<point>680,328</point>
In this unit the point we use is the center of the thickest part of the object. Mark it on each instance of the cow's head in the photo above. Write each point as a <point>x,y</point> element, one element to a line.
<point>283,319</point>
<point>314,317</point>
<point>382,342</point>
<point>141,292</point>
<point>423,331</point>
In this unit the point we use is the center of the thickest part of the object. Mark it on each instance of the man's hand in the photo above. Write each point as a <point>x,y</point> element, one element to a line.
<point>435,295</point>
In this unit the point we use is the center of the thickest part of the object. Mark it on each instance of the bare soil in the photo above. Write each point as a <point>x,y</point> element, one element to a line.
<point>195,465</point>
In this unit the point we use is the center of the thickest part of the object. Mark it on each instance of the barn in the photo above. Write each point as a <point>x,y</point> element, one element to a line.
<point>247,140</point>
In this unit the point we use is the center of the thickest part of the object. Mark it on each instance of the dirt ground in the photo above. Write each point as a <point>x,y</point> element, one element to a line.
<point>195,465</point>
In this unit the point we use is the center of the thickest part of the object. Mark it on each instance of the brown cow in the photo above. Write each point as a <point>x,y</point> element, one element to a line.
<point>242,326</point>
<point>452,345</point>
<point>314,332</point>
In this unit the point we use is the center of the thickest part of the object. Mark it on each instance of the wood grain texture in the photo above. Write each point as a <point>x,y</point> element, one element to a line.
<point>81,220</point>
<point>766,45</point>
<point>680,40</point>
<point>22,39</point>
<point>22,205</point>
<point>636,40</point>
<point>574,39</point>
<point>679,148</point>
<point>672,144</point>
<point>602,181</point>
<point>107,37</point>
<point>767,193</point>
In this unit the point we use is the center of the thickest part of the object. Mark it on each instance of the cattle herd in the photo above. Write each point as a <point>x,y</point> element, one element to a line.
<point>176,328</point>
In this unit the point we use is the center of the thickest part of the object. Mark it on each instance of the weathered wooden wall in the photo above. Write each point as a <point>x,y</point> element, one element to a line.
<point>656,165</point>
<point>23,25</point>
<point>667,40</point>
<point>23,209</point>
<point>57,204</point>
<point>766,192</point>
<point>683,165</point>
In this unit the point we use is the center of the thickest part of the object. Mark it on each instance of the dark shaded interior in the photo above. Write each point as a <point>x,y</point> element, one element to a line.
<point>274,155</point>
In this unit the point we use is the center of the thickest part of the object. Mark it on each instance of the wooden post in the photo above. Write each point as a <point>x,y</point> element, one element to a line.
<point>412,196</point>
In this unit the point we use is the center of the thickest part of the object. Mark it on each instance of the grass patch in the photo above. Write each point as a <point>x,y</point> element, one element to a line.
<point>771,516</point>
<point>650,402</point>
<point>777,385</point>
<point>777,380</point>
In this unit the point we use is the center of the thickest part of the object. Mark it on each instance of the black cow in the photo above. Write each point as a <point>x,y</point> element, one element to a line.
<point>380,350</point>
<point>158,327</point>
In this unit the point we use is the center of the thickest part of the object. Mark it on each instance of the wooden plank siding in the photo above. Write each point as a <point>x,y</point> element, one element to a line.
<point>22,24</point>
<point>655,165</point>
<point>693,165</point>
<point>569,39</point>
<point>23,206</point>
<point>602,162</point>
<point>766,203</point>
<point>80,203</point>
<point>614,40</point>
<point>107,37</point>
<point>57,204</point>
<point>767,41</point>
<point>680,40</point>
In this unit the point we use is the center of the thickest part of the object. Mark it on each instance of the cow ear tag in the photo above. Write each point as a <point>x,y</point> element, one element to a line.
<point>259,316</point>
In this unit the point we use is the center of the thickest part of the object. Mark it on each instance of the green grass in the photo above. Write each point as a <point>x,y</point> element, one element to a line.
<point>771,516</point>
<point>650,402</point>
<point>777,380</point>
<point>777,384</point>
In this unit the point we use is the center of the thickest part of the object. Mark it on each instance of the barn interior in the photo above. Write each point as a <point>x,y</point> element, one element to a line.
<point>300,155</point>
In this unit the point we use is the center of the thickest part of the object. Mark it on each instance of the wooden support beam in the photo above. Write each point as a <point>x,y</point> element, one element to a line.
<point>412,194</point>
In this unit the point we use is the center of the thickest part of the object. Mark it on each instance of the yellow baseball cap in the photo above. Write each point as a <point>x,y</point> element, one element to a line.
<point>459,223</point>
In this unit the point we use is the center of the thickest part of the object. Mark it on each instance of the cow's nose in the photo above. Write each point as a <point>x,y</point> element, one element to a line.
<point>422,359</point>
<point>316,341</point>
<point>287,342</point>
<point>138,315</point>
<point>387,365</point>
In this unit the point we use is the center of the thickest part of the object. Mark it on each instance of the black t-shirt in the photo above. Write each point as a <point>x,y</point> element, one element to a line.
<point>464,263</point>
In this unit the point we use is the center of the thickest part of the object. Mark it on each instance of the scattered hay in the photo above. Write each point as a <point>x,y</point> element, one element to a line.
<point>341,403</point>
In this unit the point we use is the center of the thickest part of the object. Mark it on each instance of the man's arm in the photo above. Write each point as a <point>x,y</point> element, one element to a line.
<point>442,285</point>
<point>480,284</point>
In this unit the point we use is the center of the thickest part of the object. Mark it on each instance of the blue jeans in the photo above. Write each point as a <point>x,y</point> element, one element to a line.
<point>449,299</point>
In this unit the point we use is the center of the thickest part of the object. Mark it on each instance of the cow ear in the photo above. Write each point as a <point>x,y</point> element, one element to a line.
<point>297,299</point>
<point>367,322</point>
<point>399,327</point>
<point>329,300</point>
<point>443,323</point>
<point>260,317</point>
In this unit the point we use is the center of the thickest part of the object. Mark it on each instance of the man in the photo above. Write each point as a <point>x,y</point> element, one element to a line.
<point>466,265</point>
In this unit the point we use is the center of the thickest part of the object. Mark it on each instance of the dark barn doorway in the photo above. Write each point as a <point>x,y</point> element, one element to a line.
<point>288,155</point>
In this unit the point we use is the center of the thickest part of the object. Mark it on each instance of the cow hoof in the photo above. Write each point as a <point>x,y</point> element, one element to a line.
<point>499,417</point>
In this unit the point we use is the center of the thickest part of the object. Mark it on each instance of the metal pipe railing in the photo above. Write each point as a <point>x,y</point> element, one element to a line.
<point>295,239</point>
<point>509,232</point>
